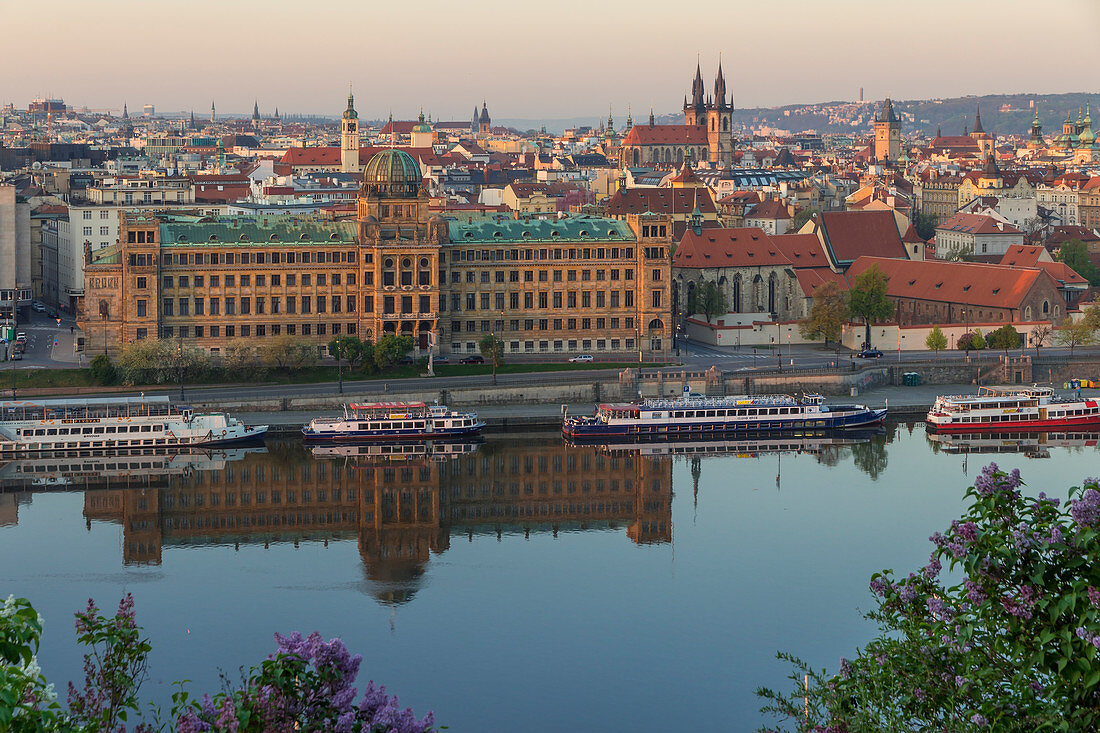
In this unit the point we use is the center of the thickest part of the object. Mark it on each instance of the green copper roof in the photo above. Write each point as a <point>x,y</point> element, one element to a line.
<point>242,231</point>
<point>105,255</point>
<point>571,229</point>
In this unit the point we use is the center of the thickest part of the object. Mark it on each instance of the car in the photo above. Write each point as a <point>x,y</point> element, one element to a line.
<point>16,355</point>
<point>581,358</point>
<point>19,347</point>
<point>440,360</point>
<point>38,307</point>
<point>472,360</point>
<point>870,354</point>
<point>21,336</point>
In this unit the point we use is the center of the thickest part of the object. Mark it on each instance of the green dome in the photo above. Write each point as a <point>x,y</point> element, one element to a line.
<point>421,125</point>
<point>392,173</point>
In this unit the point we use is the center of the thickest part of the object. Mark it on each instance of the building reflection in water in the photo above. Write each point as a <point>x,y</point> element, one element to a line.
<point>400,503</point>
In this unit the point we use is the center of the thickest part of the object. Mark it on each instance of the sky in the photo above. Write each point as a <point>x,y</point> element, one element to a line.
<point>527,60</point>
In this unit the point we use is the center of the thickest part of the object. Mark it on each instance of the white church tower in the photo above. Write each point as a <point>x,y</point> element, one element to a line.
<point>349,138</point>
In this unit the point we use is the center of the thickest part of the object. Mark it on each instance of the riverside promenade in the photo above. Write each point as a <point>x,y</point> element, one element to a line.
<point>903,403</point>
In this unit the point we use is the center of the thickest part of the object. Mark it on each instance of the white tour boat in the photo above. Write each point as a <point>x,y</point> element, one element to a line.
<point>393,421</point>
<point>114,422</point>
<point>1003,409</point>
<point>689,417</point>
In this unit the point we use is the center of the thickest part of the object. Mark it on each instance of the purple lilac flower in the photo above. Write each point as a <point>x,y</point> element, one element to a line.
<point>974,592</point>
<point>933,568</point>
<point>979,720</point>
<point>878,587</point>
<point>1094,596</point>
<point>907,594</point>
<point>1086,509</point>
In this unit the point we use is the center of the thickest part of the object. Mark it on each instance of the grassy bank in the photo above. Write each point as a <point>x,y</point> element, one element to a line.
<point>82,377</point>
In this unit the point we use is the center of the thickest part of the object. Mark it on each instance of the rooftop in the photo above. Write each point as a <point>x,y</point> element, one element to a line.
<point>190,231</point>
<point>570,229</point>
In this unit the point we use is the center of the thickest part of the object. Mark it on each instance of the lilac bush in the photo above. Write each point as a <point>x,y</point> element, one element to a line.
<point>305,685</point>
<point>1013,645</point>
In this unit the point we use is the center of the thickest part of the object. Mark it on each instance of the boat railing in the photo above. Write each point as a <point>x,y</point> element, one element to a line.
<point>711,402</point>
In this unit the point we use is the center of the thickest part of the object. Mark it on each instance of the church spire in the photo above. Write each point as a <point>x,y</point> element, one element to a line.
<point>978,121</point>
<point>651,120</point>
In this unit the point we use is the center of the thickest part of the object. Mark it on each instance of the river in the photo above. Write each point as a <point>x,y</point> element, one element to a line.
<point>514,584</point>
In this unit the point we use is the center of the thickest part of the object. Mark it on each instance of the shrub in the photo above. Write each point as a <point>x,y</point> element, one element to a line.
<point>1013,645</point>
<point>103,371</point>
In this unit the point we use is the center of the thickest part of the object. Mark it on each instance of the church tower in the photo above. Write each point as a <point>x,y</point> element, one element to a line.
<point>887,134</point>
<point>213,116</point>
<point>719,124</point>
<point>1036,142</point>
<point>980,136</point>
<point>484,124</point>
<point>349,138</point>
<point>256,115</point>
<point>695,111</point>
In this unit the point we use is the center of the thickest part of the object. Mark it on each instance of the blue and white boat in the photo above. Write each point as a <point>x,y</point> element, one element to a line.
<point>689,417</point>
<point>392,421</point>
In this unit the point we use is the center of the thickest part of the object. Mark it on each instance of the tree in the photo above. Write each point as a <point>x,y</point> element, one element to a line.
<point>828,313</point>
<point>346,348</point>
<point>103,371</point>
<point>711,301</point>
<point>1040,334</point>
<point>977,341</point>
<point>1073,334</point>
<point>389,349</point>
<point>492,348</point>
<point>925,224</point>
<point>867,298</point>
<point>288,353</point>
<point>1075,253</point>
<point>1006,337</point>
<point>241,360</point>
<point>936,340</point>
<point>1010,645</point>
<point>801,217</point>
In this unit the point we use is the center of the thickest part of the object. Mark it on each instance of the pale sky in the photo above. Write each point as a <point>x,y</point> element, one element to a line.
<point>558,59</point>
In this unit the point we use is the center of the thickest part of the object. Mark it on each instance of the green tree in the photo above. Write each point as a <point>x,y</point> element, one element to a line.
<point>389,349</point>
<point>241,360</point>
<point>925,224</point>
<point>288,353</point>
<point>828,313</point>
<point>1074,334</point>
<point>492,348</point>
<point>103,371</point>
<point>936,340</point>
<point>977,341</point>
<point>801,217</point>
<point>1075,253</point>
<point>1006,337</point>
<point>867,298</point>
<point>347,348</point>
<point>711,301</point>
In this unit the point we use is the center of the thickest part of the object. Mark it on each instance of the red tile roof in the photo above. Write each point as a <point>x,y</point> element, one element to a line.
<point>853,234</point>
<point>812,278</point>
<point>732,247</point>
<point>911,236</point>
<point>993,286</point>
<point>977,224</point>
<point>666,135</point>
<point>660,201</point>
<point>1027,255</point>
<point>330,156</point>
<point>803,250</point>
<point>769,209</point>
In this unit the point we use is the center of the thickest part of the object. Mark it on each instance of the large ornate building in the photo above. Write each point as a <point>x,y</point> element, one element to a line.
<point>706,134</point>
<point>577,284</point>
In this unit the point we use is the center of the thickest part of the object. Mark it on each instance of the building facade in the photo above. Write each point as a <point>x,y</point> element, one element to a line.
<point>566,286</point>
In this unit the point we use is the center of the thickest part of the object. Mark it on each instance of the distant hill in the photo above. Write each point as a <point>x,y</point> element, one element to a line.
<point>925,115</point>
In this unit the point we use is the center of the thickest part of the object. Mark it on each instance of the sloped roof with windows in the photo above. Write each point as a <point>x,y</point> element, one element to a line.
<point>286,230</point>
<point>574,229</point>
<point>993,286</point>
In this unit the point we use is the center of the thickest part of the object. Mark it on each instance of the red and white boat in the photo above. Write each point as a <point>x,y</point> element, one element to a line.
<point>1003,409</point>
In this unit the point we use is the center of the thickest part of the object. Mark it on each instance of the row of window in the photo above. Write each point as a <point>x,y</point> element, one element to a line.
<point>495,301</point>
<point>87,215</point>
<point>248,330</point>
<point>534,255</point>
<point>246,280</point>
<point>246,305</point>
<point>304,257</point>
<point>97,430</point>
<point>544,324</point>
<point>560,345</point>
<point>483,276</point>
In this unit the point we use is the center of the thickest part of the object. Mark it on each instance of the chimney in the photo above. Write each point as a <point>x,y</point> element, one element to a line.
<point>1001,226</point>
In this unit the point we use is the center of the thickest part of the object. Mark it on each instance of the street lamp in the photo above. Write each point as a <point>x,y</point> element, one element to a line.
<point>179,336</point>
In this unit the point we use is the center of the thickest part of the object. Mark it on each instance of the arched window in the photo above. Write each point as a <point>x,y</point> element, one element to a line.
<point>1046,307</point>
<point>1027,313</point>
<point>656,324</point>
<point>771,293</point>
<point>735,301</point>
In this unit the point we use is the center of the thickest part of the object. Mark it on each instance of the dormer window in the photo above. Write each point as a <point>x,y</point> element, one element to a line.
<point>273,238</point>
<point>213,237</point>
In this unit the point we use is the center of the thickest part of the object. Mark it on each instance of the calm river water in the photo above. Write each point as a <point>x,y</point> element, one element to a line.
<point>517,584</point>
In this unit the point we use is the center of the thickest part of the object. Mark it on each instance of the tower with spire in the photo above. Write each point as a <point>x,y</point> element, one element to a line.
<point>256,115</point>
<point>719,123</point>
<point>484,124</point>
<point>213,114</point>
<point>980,136</point>
<point>1036,142</point>
<point>349,137</point>
<point>887,134</point>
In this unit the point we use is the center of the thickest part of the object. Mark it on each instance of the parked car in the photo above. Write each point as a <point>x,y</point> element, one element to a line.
<point>21,336</point>
<point>870,354</point>
<point>581,358</point>
<point>19,347</point>
<point>38,307</point>
<point>440,360</point>
<point>16,355</point>
<point>472,360</point>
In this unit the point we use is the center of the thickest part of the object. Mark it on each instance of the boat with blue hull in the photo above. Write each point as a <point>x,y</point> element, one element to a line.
<point>388,421</point>
<point>689,417</point>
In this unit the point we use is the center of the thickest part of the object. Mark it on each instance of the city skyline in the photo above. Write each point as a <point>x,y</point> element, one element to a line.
<point>445,69</point>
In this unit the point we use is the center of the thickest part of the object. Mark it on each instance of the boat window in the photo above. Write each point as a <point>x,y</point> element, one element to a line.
<point>363,426</point>
<point>51,431</point>
<point>146,428</point>
<point>99,431</point>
